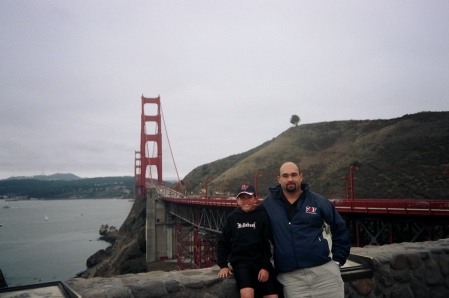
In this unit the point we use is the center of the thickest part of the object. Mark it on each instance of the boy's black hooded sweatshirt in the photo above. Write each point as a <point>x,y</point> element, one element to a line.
<point>245,238</point>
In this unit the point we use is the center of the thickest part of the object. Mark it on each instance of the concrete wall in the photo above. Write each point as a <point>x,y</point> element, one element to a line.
<point>160,235</point>
<point>150,227</point>
<point>419,269</point>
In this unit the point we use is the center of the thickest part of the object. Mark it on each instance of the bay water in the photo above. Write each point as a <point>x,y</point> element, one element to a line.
<point>50,240</point>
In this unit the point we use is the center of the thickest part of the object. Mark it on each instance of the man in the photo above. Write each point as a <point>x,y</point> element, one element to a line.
<point>301,253</point>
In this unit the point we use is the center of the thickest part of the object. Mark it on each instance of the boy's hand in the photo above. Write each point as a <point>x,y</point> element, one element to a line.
<point>263,275</point>
<point>224,272</point>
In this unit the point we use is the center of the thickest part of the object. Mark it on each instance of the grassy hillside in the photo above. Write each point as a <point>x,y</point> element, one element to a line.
<point>399,158</point>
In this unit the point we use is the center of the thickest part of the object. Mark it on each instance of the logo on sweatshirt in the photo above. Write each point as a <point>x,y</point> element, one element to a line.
<point>311,210</point>
<point>246,225</point>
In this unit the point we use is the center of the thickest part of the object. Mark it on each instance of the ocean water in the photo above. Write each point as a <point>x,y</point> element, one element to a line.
<point>50,240</point>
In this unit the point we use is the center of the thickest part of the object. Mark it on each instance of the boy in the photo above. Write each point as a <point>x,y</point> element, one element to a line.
<point>245,240</point>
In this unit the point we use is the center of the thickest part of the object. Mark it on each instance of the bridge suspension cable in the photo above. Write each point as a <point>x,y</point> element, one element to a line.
<point>169,146</point>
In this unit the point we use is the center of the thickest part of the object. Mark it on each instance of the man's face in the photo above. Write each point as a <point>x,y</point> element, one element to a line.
<point>246,202</point>
<point>290,178</point>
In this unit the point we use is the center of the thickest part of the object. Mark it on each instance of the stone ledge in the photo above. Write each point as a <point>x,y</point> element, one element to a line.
<point>400,270</point>
<point>419,269</point>
<point>186,283</point>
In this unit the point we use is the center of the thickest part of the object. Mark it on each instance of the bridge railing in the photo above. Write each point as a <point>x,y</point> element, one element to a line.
<point>367,206</point>
<point>219,201</point>
<point>394,206</point>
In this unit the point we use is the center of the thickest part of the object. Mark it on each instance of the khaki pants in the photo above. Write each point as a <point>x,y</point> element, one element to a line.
<point>322,281</point>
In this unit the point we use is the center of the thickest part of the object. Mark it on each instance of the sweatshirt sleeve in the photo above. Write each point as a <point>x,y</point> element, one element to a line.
<point>341,245</point>
<point>224,245</point>
<point>266,235</point>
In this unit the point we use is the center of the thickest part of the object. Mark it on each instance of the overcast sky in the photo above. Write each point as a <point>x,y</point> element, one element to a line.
<point>230,75</point>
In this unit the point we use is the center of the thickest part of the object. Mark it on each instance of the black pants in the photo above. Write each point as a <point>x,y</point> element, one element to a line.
<point>246,277</point>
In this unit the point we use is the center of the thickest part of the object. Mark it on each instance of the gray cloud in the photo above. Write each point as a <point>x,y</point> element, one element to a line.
<point>229,74</point>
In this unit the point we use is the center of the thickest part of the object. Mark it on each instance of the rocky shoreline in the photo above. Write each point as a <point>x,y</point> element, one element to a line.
<point>3,283</point>
<point>126,254</point>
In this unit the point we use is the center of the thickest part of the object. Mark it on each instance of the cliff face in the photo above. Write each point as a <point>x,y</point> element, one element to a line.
<point>127,251</point>
<point>3,283</point>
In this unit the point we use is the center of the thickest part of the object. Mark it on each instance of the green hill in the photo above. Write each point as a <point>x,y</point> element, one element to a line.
<point>57,176</point>
<point>102,187</point>
<point>399,158</point>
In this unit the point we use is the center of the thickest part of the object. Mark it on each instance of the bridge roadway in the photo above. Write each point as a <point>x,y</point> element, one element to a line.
<point>369,221</point>
<point>365,206</point>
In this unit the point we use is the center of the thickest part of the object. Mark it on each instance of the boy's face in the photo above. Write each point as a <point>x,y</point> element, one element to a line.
<point>246,202</point>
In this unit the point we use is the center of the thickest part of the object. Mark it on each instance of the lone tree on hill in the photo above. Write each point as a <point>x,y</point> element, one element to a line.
<point>295,120</point>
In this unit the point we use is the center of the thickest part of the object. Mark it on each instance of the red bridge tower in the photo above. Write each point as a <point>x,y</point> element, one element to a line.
<point>146,159</point>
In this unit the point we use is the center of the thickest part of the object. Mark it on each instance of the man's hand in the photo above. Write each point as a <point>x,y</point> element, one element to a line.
<point>263,275</point>
<point>224,272</point>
